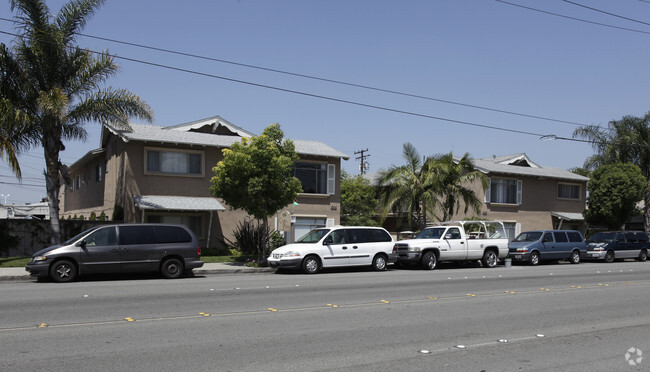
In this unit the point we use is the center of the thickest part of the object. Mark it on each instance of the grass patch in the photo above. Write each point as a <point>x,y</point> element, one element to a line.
<point>14,261</point>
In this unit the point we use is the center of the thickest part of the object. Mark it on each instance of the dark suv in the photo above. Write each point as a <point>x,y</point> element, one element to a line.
<point>126,248</point>
<point>611,245</point>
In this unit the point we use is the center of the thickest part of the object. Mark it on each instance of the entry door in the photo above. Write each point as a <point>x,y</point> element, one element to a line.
<point>99,252</point>
<point>455,245</point>
<point>336,250</point>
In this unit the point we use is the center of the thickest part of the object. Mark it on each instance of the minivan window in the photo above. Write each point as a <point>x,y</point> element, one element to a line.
<point>602,237</point>
<point>560,236</point>
<point>132,235</point>
<point>337,237</point>
<point>357,235</point>
<point>643,237</point>
<point>377,235</point>
<point>101,237</point>
<point>574,236</point>
<point>531,236</point>
<point>313,236</point>
<point>78,236</point>
<point>548,238</point>
<point>171,234</point>
<point>630,237</point>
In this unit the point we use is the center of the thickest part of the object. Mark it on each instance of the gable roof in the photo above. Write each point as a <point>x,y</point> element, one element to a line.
<point>521,165</point>
<point>209,133</point>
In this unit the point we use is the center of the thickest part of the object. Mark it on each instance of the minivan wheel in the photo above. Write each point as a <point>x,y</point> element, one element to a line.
<point>429,261</point>
<point>609,257</point>
<point>172,268</point>
<point>379,263</point>
<point>310,265</point>
<point>575,257</point>
<point>534,259</point>
<point>63,271</point>
<point>643,255</point>
<point>489,259</point>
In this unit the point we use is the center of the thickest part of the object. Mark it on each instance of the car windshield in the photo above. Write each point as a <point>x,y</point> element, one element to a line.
<point>602,237</point>
<point>431,233</point>
<point>78,236</point>
<point>313,236</point>
<point>531,236</point>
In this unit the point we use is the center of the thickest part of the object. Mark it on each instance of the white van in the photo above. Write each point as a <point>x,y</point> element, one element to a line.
<point>336,247</point>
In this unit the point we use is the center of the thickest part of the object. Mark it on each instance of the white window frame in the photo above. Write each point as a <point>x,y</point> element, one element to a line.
<point>166,149</point>
<point>330,183</point>
<point>557,194</point>
<point>519,196</point>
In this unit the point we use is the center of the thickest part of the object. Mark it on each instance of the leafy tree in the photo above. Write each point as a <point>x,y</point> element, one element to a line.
<point>452,183</point>
<point>358,201</point>
<point>408,187</point>
<point>50,87</point>
<point>614,190</point>
<point>623,141</point>
<point>255,175</point>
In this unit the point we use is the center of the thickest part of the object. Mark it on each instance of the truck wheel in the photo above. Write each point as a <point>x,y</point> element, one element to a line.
<point>609,257</point>
<point>379,263</point>
<point>575,257</point>
<point>643,255</point>
<point>489,259</point>
<point>429,261</point>
<point>534,259</point>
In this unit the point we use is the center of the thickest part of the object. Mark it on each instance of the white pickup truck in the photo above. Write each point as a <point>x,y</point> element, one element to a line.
<point>455,241</point>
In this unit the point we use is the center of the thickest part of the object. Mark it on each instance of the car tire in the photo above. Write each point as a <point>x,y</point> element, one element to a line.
<point>172,268</point>
<point>490,259</point>
<point>379,263</point>
<point>534,258</point>
<point>643,256</point>
<point>429,261</point>
<point>609,257</point>
<point>310,265</point>
<point>575,257</point>
<point>63,271</point>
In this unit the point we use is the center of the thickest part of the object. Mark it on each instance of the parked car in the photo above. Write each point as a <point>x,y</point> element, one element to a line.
<point>336,247</point>
<point>536,246</point>
<point>126,248</point>
<point>611,245</point>
<point>455,241</point>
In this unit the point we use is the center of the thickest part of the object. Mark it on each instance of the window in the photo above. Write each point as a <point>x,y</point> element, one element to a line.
<point>315,178</point>
<point>101,237</point>
<point>453,233</point>
<point>77,183</point>
<point>99,172</point>
<point>171,234</point>
<point>135,235</point>
<point>568,191</point>
<point>377,235</point>
<point>174,162</point>
<point>574,236</point>
<point>560,237</point>
<point>504,191</point>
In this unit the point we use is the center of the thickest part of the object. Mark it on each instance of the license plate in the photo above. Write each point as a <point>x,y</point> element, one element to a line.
<point>595,254</point>
<point>517,256</point>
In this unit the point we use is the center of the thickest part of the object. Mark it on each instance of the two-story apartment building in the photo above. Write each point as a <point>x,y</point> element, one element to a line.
<point>522,194</point>
<point>162,174</point>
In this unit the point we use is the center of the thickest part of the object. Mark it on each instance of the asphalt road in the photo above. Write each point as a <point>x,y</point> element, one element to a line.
<point>550,317</point>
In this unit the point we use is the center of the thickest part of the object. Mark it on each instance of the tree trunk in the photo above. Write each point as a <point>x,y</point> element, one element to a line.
<point>646,209</point>
<point>51,147</point>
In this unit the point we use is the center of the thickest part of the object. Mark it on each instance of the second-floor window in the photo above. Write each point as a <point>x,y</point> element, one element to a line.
<point>316,178</point>
<point>504,191</point>
<point>568,191</point>
<point>174,162</point>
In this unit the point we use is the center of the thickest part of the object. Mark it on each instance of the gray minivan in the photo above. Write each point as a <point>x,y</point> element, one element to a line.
<point>126,248</point>
<point>612,245</point>
<point>535,246</point>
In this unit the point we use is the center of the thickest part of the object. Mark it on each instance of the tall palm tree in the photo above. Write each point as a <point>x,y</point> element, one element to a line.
<point>453,180</point>
<point>57,87</point>
<point>408,187</point>
<point>626,141</point>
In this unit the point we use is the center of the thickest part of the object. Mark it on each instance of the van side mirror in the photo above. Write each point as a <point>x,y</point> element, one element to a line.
<point>329,240</point>
<point>81,244</point>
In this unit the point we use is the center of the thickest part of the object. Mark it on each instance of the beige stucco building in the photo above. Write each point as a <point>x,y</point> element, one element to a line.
<point>162,174</point>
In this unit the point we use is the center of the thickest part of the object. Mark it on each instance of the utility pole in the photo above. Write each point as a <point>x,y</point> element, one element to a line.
<point>363,164</point>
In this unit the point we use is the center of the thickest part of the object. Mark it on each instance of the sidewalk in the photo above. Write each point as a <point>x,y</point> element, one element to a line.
<point>19,273</point>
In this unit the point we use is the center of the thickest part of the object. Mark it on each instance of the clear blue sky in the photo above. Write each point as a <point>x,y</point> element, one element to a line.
<point>474,52</point>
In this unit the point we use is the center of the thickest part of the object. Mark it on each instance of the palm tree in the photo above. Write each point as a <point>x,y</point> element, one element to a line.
<point>57,87</point>
<point>453,179</point>
<point>408,187</point>
<point>625,141</point>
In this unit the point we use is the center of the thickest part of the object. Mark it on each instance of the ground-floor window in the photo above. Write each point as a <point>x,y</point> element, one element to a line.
<point>511,230</point>
<point>193,221</point>
<point>303,225</point>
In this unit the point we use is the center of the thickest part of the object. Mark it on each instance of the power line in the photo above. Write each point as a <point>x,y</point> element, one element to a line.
<point>333,99</point>
<point>333,81</point>
<point>572,18</point>
<point>604,12</point>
